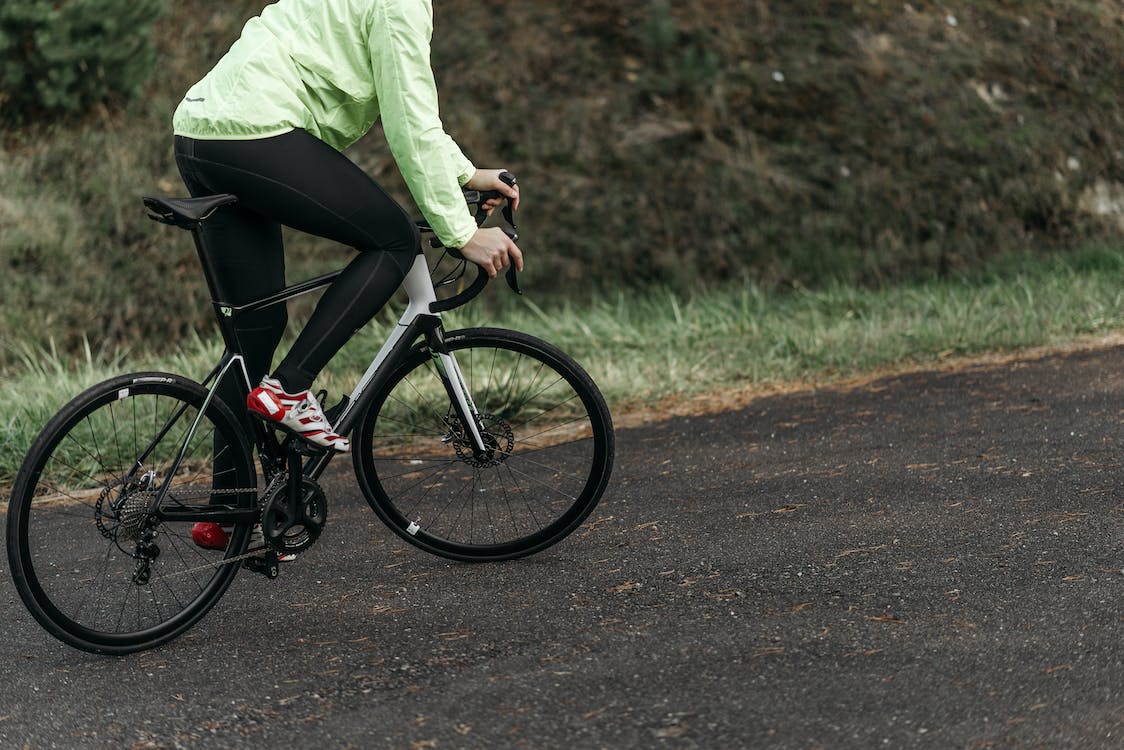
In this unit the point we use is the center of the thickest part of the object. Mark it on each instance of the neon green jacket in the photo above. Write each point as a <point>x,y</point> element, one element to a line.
<point>333,67</point>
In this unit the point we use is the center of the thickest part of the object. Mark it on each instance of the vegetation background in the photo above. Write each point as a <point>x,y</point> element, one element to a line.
<point>679,145</point>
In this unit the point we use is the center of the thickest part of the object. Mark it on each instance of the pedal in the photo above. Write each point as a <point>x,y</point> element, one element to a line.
<point>332,414</point>
<point>266,565</point>
<point>292,444</point>
<point>302,448</point>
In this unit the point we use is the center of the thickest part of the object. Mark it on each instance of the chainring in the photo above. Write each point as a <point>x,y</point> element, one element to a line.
<point>289,533</point>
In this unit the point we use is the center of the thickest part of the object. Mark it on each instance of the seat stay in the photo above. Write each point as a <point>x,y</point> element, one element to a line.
<point>224,367</point>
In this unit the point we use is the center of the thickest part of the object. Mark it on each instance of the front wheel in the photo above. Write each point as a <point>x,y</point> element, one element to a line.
<point>100,519</point>
<point>549,456</point>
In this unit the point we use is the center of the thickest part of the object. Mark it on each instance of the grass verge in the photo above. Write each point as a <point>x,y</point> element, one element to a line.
<point>645,348</point>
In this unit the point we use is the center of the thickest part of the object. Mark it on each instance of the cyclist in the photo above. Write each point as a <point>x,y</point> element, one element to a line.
<point>306,79</point>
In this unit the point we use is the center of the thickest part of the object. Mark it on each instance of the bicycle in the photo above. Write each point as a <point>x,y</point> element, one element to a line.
<point>481,444</point>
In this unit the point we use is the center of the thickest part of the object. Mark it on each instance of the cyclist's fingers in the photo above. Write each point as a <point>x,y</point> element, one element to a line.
<point>512,192</point>
<point>499,260</point>
<point>509,191</point>
<point>516,256</point>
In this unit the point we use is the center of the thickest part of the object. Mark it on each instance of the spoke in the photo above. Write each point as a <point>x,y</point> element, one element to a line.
<point>214,459</point>
<point>560,425</point>
<point>133,402</point>
<point>179,604</point>
<point>522,456</point>
<point>523,494</point>
<point>76,469</point>
<point>94,440</point>
<point>140,605</point>
<point>491,373</point>
<point>172,538</point>
<point>488,512</point>
<point>467,489</point>
<point>544,412</point>
<point>121,614</point>
<point>510,510</point>
<point>387,438</point>
<point>79,473</point>
<point>505,393</point>
<point>155,601</point>
<point>426,402</point>
<point>422,479</point>
<point>113,419</point>
<point>425,494</point>
<point>522,401</point>
<point>418,413</point>
<point>544,484</point>
<point>55,512</point>
<point>400,459</point>
<point>101,578</point>
<point>413,424</point>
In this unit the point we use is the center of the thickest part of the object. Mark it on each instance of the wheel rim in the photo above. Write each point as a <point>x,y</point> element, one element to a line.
<point>100,570</point>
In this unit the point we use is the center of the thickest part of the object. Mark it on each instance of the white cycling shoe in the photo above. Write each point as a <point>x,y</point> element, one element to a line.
<point>299,414</point>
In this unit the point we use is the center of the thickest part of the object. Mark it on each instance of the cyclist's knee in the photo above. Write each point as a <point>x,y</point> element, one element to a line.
<point>401,238</point>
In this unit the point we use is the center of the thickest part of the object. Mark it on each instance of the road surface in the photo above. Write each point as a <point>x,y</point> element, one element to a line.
<point>930,560</point>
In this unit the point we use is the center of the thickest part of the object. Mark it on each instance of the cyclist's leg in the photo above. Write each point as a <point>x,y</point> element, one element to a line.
<point>302,182</point>
<point>248,257</point>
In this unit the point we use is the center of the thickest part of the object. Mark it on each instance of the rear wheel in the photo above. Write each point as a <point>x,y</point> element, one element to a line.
<point>94,564</point>
<point>549,454</point>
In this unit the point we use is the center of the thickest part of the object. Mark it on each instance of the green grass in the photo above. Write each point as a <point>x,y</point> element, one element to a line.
<point>656,142</point>
<point>643,347</point>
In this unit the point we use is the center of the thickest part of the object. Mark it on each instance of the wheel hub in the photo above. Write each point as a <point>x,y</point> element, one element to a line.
<point>497,436</point>
<point>121,514</point>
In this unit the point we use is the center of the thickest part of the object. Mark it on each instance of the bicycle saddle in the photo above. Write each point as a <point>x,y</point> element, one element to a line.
<point>185,212</point>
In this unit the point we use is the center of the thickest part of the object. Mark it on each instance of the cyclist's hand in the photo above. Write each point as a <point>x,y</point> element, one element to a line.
<point>489,179</point>
<point>492,250</point>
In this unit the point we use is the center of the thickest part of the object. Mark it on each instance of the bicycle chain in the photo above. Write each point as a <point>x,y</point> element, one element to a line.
<point>278,478</point>
<point>108,534</point>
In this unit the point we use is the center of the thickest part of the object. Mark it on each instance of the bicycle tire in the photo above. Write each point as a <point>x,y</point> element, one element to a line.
<point>78,513</point>
<point>548,422</point>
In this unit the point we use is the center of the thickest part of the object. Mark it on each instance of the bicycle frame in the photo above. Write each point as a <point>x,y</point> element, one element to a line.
<point>416,321</point>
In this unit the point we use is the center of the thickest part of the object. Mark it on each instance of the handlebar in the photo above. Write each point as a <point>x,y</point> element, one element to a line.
<point>478,198</point>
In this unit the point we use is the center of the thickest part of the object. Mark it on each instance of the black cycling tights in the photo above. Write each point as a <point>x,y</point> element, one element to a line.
<point>297,180</point>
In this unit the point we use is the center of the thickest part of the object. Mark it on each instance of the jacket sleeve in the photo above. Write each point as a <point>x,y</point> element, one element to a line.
<point>430,161</point>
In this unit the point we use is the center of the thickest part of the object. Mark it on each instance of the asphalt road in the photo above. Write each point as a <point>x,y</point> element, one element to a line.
<point>932,560</point>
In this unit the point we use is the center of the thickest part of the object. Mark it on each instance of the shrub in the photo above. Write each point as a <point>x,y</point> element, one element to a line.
<point>62,58</point>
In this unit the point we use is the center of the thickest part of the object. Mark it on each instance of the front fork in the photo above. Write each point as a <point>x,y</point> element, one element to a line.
<point>453,380</point>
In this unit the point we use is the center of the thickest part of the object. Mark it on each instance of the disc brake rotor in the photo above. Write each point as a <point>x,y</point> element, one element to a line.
<point>498,441</point>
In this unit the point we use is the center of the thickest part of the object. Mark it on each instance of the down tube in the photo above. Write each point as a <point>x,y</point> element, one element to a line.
<point>395,349</point>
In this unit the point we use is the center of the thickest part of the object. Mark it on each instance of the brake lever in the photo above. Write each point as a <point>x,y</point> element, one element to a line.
<point>478,198</point>
<point>508,179</point>
<point>511,274</point>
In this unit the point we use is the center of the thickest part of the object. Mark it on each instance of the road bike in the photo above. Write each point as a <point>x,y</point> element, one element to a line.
<point>481,444</point>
